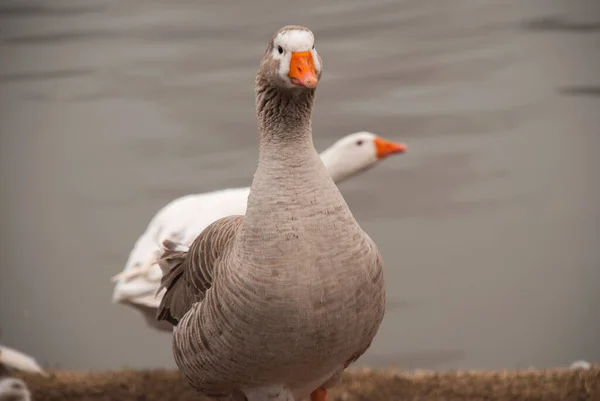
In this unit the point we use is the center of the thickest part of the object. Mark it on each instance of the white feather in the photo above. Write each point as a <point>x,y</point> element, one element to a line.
<point>295,40</point>
<point>17,360</point>
<point>581,365</point>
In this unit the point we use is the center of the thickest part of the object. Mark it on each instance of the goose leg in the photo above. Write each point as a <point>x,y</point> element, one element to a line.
<point>319,394</point>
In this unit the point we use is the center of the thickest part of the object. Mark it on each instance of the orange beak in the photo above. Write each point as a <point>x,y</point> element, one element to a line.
<point>302,69</point>
<point>386,148</point>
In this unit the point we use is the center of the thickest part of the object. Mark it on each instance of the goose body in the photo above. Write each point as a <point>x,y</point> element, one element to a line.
<point>12,359</point>
<point>184,218</point>
<point>274,305</point>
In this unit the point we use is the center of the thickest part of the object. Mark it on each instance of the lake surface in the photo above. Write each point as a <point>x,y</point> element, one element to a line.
<point>489,226</point>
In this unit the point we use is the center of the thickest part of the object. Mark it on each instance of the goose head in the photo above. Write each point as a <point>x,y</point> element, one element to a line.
<point>357,152</point>
<point>291,60</point>
<point>12,389</point>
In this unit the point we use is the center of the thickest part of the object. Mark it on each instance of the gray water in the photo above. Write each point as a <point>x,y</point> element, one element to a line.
<point>488,226</point>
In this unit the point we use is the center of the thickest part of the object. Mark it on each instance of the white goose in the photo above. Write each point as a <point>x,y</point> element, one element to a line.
<point>184,218</point>
<point>12,359</point>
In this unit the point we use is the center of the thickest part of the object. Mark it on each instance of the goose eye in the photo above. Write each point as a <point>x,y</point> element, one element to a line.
<point>280,49</point>
<point>359,142</point>
<point>313,47</point>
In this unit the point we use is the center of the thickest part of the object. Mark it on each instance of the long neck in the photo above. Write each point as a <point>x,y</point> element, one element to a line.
<point>291,186</point>
<point>284,120</point>
<point>284,126</point>
<point>288,161</point>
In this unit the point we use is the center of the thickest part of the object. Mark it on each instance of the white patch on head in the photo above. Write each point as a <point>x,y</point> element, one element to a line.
<point>360,144</point>
<point>350,155</point>
<point>14,389</point>
<point>293,40</point>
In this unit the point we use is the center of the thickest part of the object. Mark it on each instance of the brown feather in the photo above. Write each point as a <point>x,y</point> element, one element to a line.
<point>187,275</point>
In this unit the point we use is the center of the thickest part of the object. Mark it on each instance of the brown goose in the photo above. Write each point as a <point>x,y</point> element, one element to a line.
<point>274,305</point>
<point>185,217</point>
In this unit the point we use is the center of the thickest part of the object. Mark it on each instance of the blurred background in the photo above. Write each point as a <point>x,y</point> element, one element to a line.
<point>489,225</point>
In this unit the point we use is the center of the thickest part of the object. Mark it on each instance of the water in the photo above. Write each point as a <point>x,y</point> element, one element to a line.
<point>488,226</point>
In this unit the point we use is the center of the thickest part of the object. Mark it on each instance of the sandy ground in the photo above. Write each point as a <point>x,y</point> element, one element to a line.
<point>488,226</point>
<point>359,385</point>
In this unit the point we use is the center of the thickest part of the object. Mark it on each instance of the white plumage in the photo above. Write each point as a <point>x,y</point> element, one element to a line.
<point>13,359</point>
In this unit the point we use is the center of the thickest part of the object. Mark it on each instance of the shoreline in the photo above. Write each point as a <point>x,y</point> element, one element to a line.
<point>364,384</point>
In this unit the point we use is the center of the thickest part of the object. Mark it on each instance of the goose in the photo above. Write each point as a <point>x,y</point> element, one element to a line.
<point>13,389</point>
<point>12,359</point>
<point>184,218</point>
<point>275,304</point>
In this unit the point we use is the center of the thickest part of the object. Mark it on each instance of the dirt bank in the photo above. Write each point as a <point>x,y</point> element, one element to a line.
<point>363,385</point>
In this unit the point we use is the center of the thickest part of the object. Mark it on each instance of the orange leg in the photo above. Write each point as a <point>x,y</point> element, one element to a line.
<point>319,394</point>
